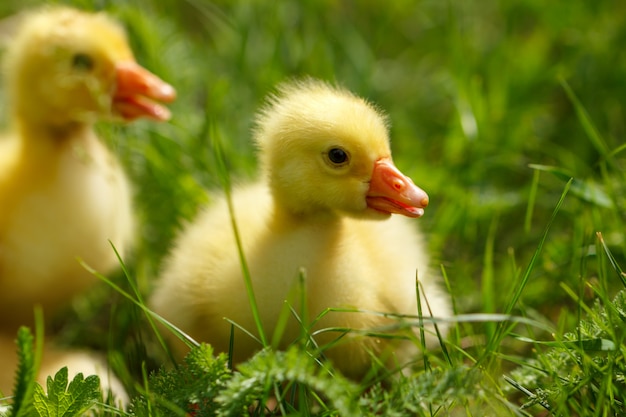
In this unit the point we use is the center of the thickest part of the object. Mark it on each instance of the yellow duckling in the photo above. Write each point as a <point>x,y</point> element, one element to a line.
<point>63,194</point>
<point>324,206</point>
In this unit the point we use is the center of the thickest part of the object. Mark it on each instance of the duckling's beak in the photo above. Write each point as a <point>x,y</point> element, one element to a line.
<point>137,91</point>
<point>392,192</point>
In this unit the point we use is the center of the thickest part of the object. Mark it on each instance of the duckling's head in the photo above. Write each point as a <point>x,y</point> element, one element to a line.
<point>67,66</point>
<point>325,149</point>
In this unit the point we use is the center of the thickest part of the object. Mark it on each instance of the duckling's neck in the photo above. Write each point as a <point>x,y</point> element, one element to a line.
<point>42,144</point>
<point>296,209</point>
<point>326,219</point>
<point>42,133</point>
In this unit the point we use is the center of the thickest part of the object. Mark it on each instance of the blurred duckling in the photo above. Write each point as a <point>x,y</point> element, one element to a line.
<point>331,203</point>
<point>63,194</point>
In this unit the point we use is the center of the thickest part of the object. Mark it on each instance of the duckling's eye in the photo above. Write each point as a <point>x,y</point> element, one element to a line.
<point>337,156</point>
<point>82,62</point>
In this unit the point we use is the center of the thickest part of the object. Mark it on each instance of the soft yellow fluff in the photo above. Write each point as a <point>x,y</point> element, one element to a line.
<point>63,194</point>
<point>331,220</point>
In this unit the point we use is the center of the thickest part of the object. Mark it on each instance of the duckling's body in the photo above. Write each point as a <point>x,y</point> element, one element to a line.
<point>309,214</point>
<point>63,194</point>
<point>62,200</point>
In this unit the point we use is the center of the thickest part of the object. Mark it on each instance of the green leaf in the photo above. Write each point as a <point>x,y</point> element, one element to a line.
<point>67,401</point>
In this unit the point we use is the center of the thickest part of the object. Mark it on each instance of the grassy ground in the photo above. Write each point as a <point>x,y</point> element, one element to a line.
<point>494,105</point>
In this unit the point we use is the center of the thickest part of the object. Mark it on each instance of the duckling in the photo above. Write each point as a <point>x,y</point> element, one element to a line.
<point>63,194</point>
<point>331,206</point>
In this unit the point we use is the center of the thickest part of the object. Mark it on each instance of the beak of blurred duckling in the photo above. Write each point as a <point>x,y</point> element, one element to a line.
<point>138,93</point>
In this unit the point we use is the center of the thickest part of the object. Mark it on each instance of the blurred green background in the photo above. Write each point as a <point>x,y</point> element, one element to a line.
<point>477,92</point>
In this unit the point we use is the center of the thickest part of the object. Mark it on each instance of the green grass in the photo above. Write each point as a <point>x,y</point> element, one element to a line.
<point>508,113</point>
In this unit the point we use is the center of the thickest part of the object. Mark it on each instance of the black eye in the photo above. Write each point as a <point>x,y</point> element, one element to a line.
<point>337,156</point>
<point>82,61</point>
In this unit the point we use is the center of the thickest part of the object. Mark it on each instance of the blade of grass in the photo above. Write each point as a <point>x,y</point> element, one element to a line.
<point>517,293</point>
<point>438,333</point>
<point>138,300</point>
<point>243,329</point>
<point>527,392</point>
<point>585,120</point>
<point>489,296</point>
<point>297,291</point>
<point>231,346</point>
<point>189,341</point>
<point>226,184</point>
<point>573,294</point>
<point>612,259</point>
<point>421,323</point>
<point>585,190</point>
<point>587,345</point>
<point>532,195</point>
<point>457,329</point>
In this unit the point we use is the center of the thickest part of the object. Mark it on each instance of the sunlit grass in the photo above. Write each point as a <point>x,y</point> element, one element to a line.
<point>509,114</point>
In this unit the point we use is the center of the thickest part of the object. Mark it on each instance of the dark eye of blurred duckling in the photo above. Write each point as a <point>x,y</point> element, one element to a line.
<point>83,62</point>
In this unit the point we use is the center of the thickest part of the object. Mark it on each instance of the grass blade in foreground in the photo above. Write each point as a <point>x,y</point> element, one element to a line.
<point>495,341</point>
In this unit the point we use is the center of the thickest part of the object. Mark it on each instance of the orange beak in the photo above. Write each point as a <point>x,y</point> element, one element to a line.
<point>137,92</point>
<point>392,192</point>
